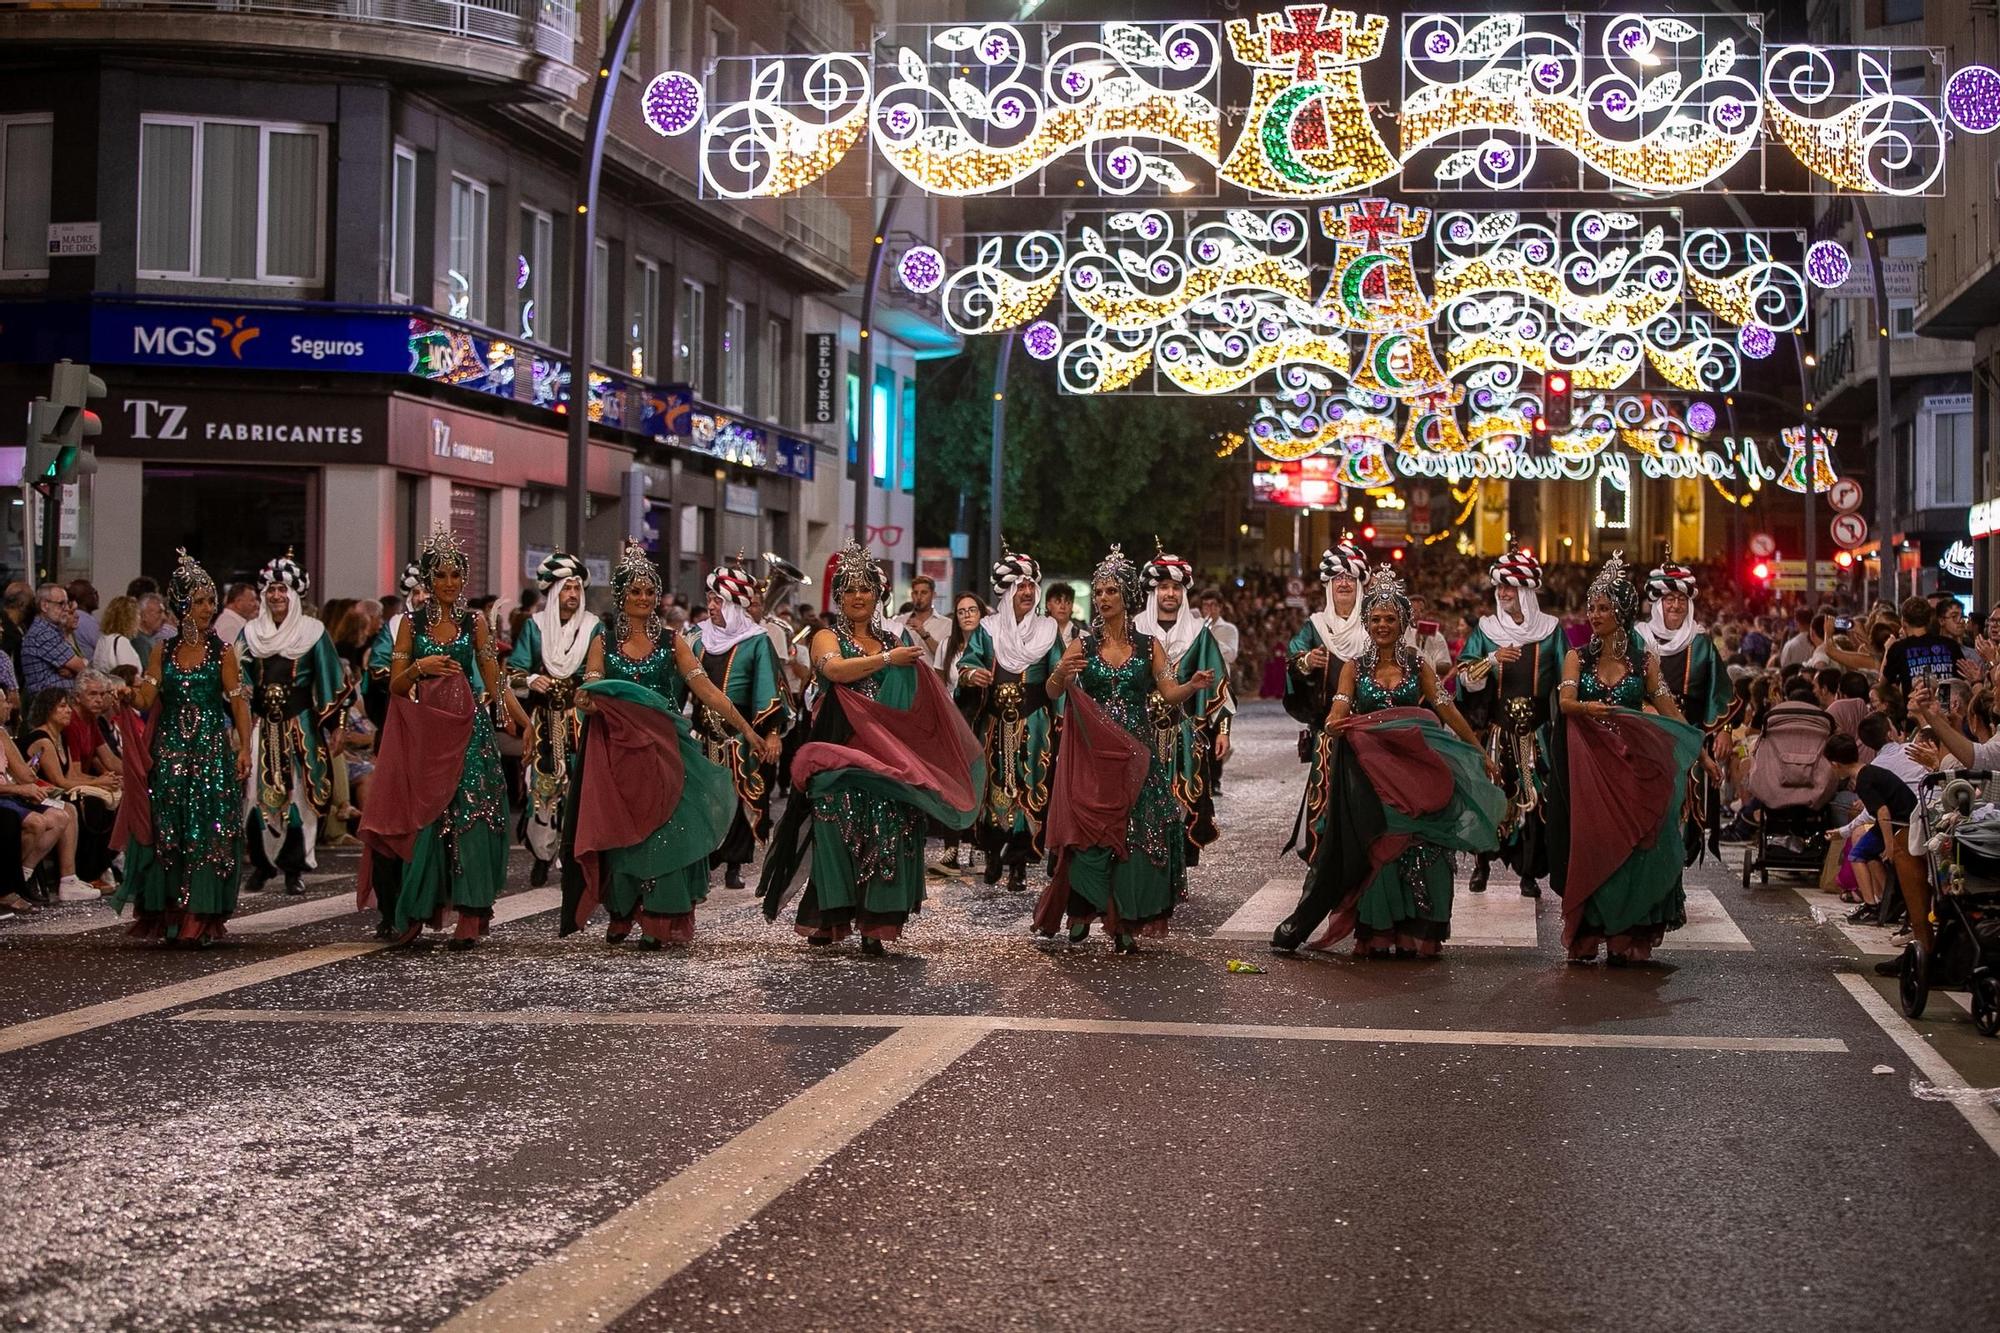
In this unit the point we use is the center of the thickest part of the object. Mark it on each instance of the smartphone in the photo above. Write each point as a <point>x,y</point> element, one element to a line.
<point>1841,624</point>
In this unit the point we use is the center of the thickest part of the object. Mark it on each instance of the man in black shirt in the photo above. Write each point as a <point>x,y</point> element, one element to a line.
<point>1922,651</point>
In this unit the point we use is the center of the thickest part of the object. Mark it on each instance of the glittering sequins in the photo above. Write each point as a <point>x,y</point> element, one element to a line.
<point>1155,822</point>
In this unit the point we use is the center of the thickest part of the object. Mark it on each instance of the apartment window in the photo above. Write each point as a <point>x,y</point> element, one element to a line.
<point>665,48</point>
<point>231,201</point>
<point>402,224</point>
<point>1950,462</point>
<point>645,322</point>
<point>470,205</point>
<point>691,335</point>
<point>771,371</point>
<point>733,352</point>
<point>1902,11</point>
<point>534,273</point>
<point>26,152</point>
<point>602,318</point>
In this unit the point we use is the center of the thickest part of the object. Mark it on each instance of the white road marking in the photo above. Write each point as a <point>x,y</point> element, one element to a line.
<point>99,916</point>
<point>1708,927</point>
<point>612,1268</point>
<point>20,1036</point>
<point>1263,910</point>
<point>1871,941</point>
<point>1109,1027</point>
<point>1984,1118</point>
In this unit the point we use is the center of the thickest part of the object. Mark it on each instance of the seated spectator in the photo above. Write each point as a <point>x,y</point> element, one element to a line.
<point>42,824</point>
<point>92,734</point>
<point>95,803</point>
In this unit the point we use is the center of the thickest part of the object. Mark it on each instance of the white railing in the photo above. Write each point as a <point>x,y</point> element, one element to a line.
<point>545,26</point>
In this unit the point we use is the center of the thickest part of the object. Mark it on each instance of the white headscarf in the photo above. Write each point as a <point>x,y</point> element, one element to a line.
<point>1534,626</point>
<point>1178,637</point>
<point>1019,644</point>
<point>265,637</point>
<point>1666,642</point>
<point>736,626</point>
<point>1346,637</point>
<point>564,643</point>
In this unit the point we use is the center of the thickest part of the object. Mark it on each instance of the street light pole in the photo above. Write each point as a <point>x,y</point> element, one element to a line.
<point>583,253</point>
<point>997,499</point>
<point>864,433</point>
<point>1885,442</point>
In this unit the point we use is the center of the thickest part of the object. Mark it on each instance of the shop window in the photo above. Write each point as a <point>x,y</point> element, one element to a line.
<point>534,275</point>
<point>470,523</point>
<point>466,276</point>
<point>691,335</point>
<point>1945,478</point>
<point>231,201</point>
<point>771,357</point>
<point>733,352</point>
<point>27,145</point>
<point>403,223</point>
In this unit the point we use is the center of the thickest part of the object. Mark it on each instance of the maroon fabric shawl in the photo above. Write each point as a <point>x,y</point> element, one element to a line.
<point>1102,768</point>
<point>1621,780</point>
<point>632,782</point>
<point>135,803</point>
<point>927,746</point>
<point>418,763</point>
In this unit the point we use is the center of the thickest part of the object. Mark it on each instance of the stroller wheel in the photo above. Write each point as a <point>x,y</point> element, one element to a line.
<point>1913,986</point>
<point>1986,1001</point>
<point>1748,858</point>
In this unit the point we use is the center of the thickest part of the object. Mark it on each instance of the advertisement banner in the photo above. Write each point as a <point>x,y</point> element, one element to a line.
<point>252,338</point>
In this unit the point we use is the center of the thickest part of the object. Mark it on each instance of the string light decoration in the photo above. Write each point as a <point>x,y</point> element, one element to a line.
<point>1224,344</point>
<point>1658,104</point>
<point>921,269</point>
<point>987,295</point>
<point>1808,466</point>
<point>1143,284</point>
<point>980,117</point>
<point>1734,274</point>
<point>762,147</point>
<point>1605,269</point>
<point>1879,141</point>
<point>1104,360</point>
<point>1828,264</point>
<point>1308,132</point>
<point>1374,290</point>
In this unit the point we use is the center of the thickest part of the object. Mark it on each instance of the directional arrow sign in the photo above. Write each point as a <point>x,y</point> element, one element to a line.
<point>1849,530</point>
<point>1844,495</point>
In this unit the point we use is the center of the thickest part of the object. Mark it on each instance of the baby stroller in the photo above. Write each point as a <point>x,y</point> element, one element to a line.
<point>1962,857</point>
<point>1792,784</point>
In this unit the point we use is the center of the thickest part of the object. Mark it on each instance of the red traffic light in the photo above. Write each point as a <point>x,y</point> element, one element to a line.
<point>1845,559</point>
<point>1541,425</point>
<point>1558,383</point>
<point>1368,533</point>
<point>1761,572</point>
<point>1396,554</point>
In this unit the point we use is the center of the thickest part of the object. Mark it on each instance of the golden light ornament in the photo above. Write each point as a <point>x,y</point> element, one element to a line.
<point>1308,132</point>
<point>1805,466</point>
<point>761,148</point>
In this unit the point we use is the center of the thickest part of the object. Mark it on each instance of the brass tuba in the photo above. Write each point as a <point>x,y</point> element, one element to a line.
<point>780,577</point>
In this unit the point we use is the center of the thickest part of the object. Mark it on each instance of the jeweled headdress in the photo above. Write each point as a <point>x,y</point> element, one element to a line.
<point>442,551</point>
<point>187,579</point>
<point>1385,589</point>
<point>633,566</point>
<point>855,568</point>
<point>1670,577</point>
<point>732,582</point>
<point>560,568</point>
<point>1614,582</point>
<point>283,570</point>
<point>1117,568</point>
<point>1013,567</point>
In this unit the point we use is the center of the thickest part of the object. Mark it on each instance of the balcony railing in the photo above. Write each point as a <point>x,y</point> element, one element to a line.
<point>547,27</point>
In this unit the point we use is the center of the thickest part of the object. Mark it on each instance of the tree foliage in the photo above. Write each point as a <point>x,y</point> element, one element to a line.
<point>1079,472</point>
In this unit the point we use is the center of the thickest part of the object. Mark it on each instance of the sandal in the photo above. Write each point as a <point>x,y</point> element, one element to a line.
<point>14,902</point>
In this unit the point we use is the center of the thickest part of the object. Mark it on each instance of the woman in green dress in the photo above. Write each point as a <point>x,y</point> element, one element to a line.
<point>437,828</point>
<point>888,752</point>
<point>647,805</point>
<point>1117,832</point>
<point>1405,794</point>
<point>180,818</point>
<point>1620,777</point>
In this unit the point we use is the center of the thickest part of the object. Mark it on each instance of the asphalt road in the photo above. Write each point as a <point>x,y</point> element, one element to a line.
<point>303,1131</point>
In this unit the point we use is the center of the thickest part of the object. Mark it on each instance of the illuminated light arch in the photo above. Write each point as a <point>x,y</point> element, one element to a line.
<point>1128,287</point>
<point>988,296</point>
<point>763,147</point>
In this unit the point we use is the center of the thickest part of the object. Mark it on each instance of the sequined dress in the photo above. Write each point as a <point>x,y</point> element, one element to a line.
<point>185,883</point>
<point>867,848</point>
<point>460,859</point>
<point>1152,877</point>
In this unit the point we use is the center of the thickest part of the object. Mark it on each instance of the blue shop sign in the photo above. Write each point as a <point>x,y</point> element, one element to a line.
<point>250,337</point>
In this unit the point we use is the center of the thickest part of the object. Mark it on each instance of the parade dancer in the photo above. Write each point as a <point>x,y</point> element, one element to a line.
<point>738,657</point>
<point>436,828</point>
<point>648,805</point>
<point>1203,735</point>
<point>1116,831</point>
<point>1692,669</point>
<point>1003,674</point>
<point>887,751</point>
<point>181,816</point>
<point>1619,780</point>
<point>1331,637</point>
<point>547,662</point>
<point>1507,674</point>
<point>1405,794</point>
<point>297,690</point>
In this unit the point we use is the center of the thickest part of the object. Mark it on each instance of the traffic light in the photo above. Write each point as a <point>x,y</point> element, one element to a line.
<point>1539,426</point>
<point>1844,559</point>
<point>1555,410</point>
<point>59,424</point>
<point>1761,571</point>
<point>1368,533</point>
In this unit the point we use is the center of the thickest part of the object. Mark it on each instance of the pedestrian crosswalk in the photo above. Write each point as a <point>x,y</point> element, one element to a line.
<point>1499,918</point>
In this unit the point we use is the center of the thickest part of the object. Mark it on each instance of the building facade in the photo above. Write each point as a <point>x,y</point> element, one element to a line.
<point>321,257</point>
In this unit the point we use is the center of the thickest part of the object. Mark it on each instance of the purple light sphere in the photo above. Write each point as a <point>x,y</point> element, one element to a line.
<point>672,103</point>
<point>1972,99</point>
<point>1042,339</point>
<point>1756,342</point>
<point>921,269</point>
<point>1828,264</point>
<point>1701,418</point>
